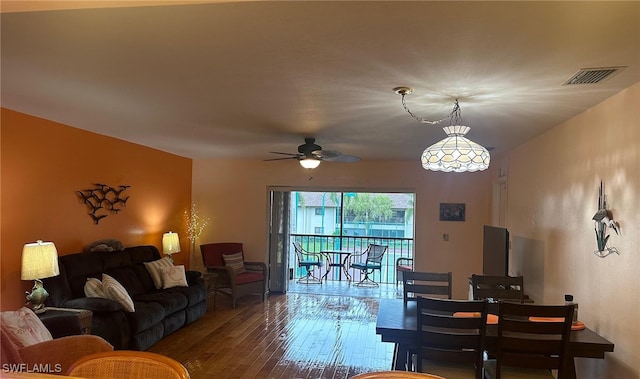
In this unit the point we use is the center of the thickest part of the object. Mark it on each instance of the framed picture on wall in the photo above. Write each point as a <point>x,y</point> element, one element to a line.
<point>452,211</point>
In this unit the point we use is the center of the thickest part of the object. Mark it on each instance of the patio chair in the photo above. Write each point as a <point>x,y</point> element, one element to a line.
<point>308,260</point>
<point>368,262</point>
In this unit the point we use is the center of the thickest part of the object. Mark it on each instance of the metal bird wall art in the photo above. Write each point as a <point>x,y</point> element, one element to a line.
<point>103,199</point>
<point>604,220</point>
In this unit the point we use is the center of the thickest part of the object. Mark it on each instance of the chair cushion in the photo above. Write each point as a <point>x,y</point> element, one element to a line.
<point>155,267</point>
<point>249,277</point>
<point>404,268</point>
<point>365,266</point>
<point>24,328</point>
<point>513,372</point>
<point>235,261</point>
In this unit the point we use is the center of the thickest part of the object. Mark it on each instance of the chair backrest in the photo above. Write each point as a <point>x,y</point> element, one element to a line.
<point>128,364</point>
<point>506,288</point>
<point>375,253</point>
<point>304,255</point>
<point>452,331</point>
<point>533,336</point>
<point>212,252</point>
<point>426,284</point>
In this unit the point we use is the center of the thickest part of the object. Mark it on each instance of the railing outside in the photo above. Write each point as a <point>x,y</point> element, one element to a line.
<point>397,248</point>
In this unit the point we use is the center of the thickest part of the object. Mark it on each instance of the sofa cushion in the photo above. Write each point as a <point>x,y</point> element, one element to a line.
<point>145,316</point>
<point>194,294</point>
<point>116,292</point>
<point>171,301</point>
<point>126,276</point>
<point>173,276</point>
<point>94,304</point>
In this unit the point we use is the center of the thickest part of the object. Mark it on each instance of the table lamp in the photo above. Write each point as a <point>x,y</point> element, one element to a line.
<point>39,261</point>
<point>170,244</point>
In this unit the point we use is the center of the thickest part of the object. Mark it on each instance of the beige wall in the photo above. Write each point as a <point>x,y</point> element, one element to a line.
<point>233,194</point>
<point>44,163</point>
<point>552,196</point>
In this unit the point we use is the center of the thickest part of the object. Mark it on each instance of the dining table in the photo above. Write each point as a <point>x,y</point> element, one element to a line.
<point>397,323</point>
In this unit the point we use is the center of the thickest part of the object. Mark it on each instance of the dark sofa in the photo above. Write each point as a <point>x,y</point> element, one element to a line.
<point>157,312</point>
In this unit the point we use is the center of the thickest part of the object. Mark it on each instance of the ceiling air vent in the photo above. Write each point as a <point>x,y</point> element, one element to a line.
<point>592,75</point>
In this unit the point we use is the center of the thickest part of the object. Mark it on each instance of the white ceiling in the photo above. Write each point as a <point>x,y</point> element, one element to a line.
<point>241,79</point>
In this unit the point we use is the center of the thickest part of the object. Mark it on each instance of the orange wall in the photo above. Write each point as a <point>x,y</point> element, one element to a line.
<point>552,185</point>
<point>233,194</point>
<point>44,163</point>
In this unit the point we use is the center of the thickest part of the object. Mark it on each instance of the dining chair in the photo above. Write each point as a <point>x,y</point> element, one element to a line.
<point>451,335</point>
<point>368,262</point>
<point>235,278</point>
<point>128,364</point>
<point>308,260</point>
<point>532,340</point>
<point>403,264</point>
<point>498,288</point>
<point>426,284</point>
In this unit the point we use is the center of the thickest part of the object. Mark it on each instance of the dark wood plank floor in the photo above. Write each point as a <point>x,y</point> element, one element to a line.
<point>311,332</point>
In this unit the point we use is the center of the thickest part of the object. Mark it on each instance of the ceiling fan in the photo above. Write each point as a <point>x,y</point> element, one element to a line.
<point>310,155</point>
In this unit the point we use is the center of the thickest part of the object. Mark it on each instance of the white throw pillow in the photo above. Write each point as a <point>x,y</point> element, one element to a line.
<point>234,261</point>
<point>24,328</point>
<point>155,269</point>
<point>174,276</point>
<point>93,288</point>
<point>116,292</point>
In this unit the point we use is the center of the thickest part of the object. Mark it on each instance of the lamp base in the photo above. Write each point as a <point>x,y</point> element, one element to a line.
<point>37,297</point>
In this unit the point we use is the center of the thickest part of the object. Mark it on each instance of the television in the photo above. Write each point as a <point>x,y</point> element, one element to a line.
<point>495,251</point>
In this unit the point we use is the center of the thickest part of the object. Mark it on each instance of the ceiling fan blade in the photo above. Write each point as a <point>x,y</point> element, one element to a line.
<point>280,159</point>
<point>277,152</point>
<point>342,158</point>
<point>324,154</point>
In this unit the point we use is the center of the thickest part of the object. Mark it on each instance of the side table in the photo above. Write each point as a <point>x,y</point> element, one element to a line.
<point>84,315</point>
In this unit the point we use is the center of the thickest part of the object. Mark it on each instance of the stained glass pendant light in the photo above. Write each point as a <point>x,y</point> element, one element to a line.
<point>455,153</point>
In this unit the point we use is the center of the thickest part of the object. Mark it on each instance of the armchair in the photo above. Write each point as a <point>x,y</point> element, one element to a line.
<point>367,262</point>
<point>237,279</point>
<point>25,342</point>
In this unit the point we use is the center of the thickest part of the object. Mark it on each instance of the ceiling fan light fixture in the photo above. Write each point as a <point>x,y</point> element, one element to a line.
<point>455,153</point>
<point>309,163</point>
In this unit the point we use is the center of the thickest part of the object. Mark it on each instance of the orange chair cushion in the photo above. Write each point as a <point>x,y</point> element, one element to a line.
<point>491,318</point>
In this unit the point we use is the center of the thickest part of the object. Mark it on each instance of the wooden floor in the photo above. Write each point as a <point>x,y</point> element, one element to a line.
<point>313,331</point>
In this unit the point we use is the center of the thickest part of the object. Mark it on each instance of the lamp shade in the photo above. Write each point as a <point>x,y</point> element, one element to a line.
<point>170,243</point>
<point>456,153</point>
<point>39,261</point>
<point>309,163</point>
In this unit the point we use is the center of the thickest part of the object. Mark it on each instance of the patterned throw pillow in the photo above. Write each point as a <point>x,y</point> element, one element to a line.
<point>23,328</point>
<point>174,276</point>
<point>116,292</point>
<point>155,267</point>
<point>234,261</point>
<point>93,288</point>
